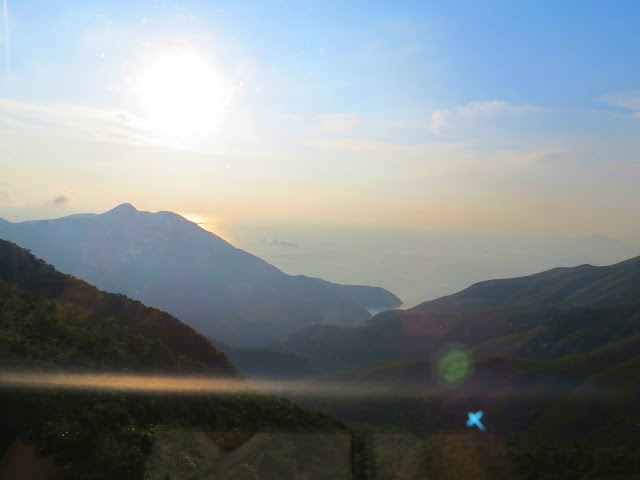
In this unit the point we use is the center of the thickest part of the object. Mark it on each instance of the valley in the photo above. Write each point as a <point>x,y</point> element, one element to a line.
<point>537,355</point>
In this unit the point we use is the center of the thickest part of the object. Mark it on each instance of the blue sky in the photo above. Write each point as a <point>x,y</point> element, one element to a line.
<point>422,54</point>
<point>458,115</point>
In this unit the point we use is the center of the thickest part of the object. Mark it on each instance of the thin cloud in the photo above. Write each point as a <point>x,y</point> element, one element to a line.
<point>446,119</point>
<point>438,123</point>
<point>487,116</point>
<point>100,125</point>
<point>375,150</point>
<point>60,201</point>
<point>627,100</point>
<point>495,108</point>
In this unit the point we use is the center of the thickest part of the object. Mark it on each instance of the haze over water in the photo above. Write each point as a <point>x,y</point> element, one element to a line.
<point>416,265</point>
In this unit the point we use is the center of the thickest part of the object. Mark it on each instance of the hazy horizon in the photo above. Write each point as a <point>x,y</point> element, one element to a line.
<point>415,264</point>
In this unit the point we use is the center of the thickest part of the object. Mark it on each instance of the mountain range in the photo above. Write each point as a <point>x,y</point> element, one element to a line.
<point>550,359</point>
<point>550,362</point>
<point>584,302</point>
<point>171,263</point>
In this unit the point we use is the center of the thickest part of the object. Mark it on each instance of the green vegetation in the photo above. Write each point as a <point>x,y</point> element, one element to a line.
<point>536,332</point>
<point>113,434</point>
<point>110,434</point>
<point>585,285</point>
<point>39,333</point>
<point>568,417</point>
<point>19,267</point>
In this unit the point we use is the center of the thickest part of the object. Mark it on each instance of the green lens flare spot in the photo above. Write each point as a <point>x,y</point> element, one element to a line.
<point>454,366</point>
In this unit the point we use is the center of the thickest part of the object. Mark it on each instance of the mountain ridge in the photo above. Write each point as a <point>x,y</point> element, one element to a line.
<point>493,314</point>
<point>21,268</point>
<point>575,286</point>
<point>166,261</point>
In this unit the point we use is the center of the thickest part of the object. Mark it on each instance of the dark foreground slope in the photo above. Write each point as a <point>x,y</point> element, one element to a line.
<point>93,432</point>
<point>557,384</point>
<point>21,268</point>
<point>524,399</point>
<point>573,416</point>
<point>170,263</point>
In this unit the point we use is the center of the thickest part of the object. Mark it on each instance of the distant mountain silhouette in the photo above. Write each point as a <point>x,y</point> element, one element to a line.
<point>170,263</point>
<point>372,298</point>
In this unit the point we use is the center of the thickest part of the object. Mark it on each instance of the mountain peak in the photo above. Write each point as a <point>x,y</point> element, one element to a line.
<point>125,208</point>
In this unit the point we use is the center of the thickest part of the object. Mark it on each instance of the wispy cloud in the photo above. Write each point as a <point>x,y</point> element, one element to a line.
<point>627,100</point>
<point>100,125</point>
<point>495,108</point>
<point>444,120</point>
<point>449,161</point>
<point>438,123</point>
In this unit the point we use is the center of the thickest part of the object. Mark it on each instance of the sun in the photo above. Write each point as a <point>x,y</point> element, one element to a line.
<point>181,94</point>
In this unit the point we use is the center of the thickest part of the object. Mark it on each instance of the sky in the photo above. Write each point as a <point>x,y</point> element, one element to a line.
<point>492,117</point>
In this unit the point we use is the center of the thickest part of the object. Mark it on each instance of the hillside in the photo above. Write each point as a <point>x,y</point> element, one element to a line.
<point>524,399</point>
<point>575,302</point>
<point>371,298</point>
<point>584,285</point>
<point>172,264</point>
<point>570,332</point>
<point>408,334</point>
<point>21,268</point>
<point>270,364</point>
<point>53,325</point>
<point>569,417</point>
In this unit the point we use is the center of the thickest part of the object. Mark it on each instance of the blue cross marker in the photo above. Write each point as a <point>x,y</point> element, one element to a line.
<point>474,419</point>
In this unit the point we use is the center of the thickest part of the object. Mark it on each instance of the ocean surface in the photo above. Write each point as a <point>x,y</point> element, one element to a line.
<point>416,265</point>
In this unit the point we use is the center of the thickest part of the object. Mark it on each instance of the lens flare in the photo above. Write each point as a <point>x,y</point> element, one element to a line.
<point>454,366</point>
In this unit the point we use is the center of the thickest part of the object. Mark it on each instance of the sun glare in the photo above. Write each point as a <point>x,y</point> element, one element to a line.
<point>182,95</point>
<point>212,223</point>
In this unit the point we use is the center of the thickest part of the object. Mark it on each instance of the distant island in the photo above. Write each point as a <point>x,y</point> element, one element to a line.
<point>277,241</point>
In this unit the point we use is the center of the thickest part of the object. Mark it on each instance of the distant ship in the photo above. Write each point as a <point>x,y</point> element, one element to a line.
<point>276,241</point>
